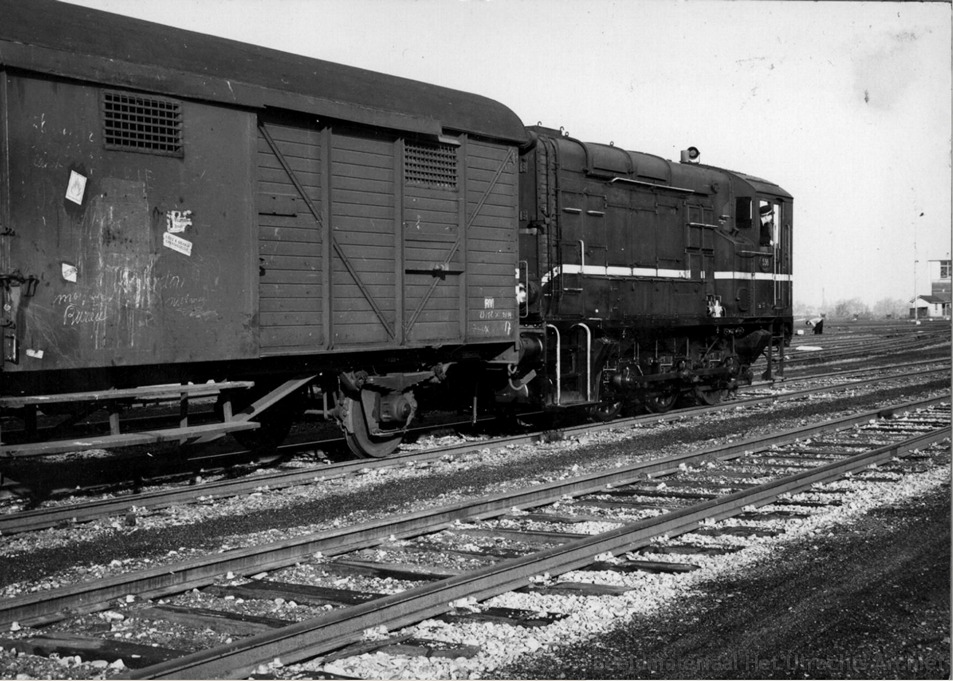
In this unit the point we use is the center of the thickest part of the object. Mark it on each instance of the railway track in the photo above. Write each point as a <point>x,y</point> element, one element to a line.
<point>807,373</point>
<point>61,515</point>
<point>859,347</point>
<point>708,485</point>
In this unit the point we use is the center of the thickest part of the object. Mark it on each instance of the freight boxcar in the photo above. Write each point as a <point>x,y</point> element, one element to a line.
<point>182,209</point>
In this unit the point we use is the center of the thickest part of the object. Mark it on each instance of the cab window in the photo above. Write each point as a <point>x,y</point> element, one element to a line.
<point>743,212</point>
<point>769,215</point>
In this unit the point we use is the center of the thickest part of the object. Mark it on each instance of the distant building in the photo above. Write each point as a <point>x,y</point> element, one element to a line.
<point>937,304</point>
<point>930,307</point>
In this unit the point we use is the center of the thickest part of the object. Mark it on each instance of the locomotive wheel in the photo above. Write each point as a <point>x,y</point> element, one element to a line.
<point>709,396</point>
<point>662,402</point>
<point>359,440</point>
<point>606,411</point>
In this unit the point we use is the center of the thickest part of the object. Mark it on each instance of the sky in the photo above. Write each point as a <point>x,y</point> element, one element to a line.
<point>847,105</point>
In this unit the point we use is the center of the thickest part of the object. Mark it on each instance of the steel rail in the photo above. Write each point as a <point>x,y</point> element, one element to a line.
<point>843,340</point>
<point>43,518</point>
<point>305,640</point>
<point>866,347</point>
<point>866,350</point>
<point>848,337</point>
<point>886,367</point>
<point>56,604</point>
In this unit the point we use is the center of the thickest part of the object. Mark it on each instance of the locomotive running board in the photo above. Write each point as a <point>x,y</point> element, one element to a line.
<point>159,393</point>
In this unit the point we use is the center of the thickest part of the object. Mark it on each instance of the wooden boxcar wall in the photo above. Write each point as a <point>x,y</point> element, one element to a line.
<point>253,237</point>
<point>140,246</point>
<point>491,233</point>
<point>369,240</point>
<point>290,251</point>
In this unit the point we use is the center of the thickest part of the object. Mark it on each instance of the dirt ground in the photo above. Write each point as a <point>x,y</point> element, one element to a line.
<point>868,601</point>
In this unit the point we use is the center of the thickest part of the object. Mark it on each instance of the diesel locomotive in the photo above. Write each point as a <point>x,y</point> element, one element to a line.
<point>184,216</point>
<point>644,280</point>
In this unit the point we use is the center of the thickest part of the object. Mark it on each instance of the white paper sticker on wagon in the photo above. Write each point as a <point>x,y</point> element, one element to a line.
<point>76,188</point>
<point>69,272</point>
<point>177,243</point>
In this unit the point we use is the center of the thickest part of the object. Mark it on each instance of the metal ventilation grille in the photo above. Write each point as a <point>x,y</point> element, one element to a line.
<point>134,123</point>
<point>432,165</point>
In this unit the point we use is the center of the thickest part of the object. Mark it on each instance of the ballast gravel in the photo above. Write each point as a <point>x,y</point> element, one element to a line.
<point>509,651</point>
<point>144,538</point>
<point>486,472</point>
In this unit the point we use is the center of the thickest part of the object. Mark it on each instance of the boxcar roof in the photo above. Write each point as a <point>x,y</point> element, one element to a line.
<point>77,42</point>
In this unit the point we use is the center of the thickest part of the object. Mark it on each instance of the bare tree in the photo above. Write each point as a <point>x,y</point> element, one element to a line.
<point>890,308</point>
<point>851,309</point>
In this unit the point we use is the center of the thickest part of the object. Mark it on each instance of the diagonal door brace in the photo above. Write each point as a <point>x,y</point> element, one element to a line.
<point>456,244</point>
<point>317,216</point>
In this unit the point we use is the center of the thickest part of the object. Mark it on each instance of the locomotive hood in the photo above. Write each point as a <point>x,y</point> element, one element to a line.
<point>616,164</point>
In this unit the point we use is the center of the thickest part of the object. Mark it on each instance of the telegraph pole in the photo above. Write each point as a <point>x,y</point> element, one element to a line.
<point>916,310</point>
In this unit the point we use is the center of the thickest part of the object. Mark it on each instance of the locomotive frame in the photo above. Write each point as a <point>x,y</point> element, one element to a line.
<point>225,220</point>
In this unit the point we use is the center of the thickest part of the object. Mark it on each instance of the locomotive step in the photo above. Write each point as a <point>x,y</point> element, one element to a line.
<point>126,439</point>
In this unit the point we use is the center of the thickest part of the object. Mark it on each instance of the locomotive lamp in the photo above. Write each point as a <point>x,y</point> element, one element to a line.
<point>690,155</point>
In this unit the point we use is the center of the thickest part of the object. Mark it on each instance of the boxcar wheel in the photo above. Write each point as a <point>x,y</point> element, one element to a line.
<point>358,437</point>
